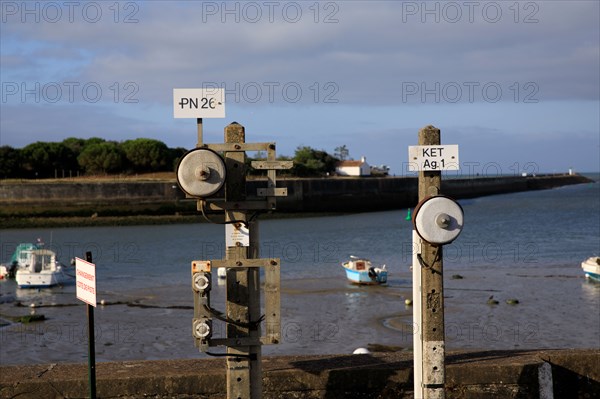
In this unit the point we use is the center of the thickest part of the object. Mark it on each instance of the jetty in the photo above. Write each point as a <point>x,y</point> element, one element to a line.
<point>519,374</point>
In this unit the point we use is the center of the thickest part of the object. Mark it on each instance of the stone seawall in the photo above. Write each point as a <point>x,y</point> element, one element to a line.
<point>520,374</point>
<point>304,195</point>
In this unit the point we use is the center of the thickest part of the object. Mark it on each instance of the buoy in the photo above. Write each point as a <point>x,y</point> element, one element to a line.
<point>222,272</point>
<point>512,301</point>
<point>408,302</point>
<point>32,305</point>
<point>102,302</point>
<point>361,351</point>
<point>492,301</point>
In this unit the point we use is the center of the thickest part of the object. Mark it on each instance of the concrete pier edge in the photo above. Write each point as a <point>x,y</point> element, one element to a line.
<point>539,374</point>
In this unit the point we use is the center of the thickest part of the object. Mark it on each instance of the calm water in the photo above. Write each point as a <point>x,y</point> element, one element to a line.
<point>526,246</point>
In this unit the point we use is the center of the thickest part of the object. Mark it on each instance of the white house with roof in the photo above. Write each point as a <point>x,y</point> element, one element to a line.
<point>353,168</point>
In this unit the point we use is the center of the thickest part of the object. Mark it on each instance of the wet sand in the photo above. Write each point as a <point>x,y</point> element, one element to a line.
<point>557,309</point>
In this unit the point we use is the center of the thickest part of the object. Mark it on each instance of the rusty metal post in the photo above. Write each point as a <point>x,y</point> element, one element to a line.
<point>244,380</point>
<point>200,132</point>
<point>432,285</point>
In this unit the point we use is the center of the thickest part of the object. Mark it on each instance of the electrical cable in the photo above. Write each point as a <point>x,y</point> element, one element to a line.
<point>251,356</point>
<point>219,315</point>
<point>435,259</point>
<point>245,223</point>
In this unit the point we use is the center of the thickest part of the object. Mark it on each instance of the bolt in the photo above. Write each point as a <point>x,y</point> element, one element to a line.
<point>442,220</point>
<point>202,173</point>
<point>238,263</point>
<point>237,146</point>
<point>273,262</point>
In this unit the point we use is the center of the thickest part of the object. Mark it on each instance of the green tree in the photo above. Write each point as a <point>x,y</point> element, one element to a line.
<point>311,162</point>
<point>146,155</point>
<point>342,152</point>
<point>175,155</point>
<point>10,161</point>
<point>103,157</point>
<point>43,159</point>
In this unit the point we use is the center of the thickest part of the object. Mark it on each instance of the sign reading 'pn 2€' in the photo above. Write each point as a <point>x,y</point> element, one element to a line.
<point>199,103</point>
<point>433,157</point>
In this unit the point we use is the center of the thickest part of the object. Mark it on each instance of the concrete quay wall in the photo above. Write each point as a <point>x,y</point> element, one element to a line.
<point>469,375</point>
<point>304,195</point>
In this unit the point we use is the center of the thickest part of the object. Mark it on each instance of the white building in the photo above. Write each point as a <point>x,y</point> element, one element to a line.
<point>353,168</point>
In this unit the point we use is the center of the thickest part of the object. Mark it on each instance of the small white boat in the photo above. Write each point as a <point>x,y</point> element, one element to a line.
<point>3,272</point>
<point>591,268</point>
<point>36,267</point>
<point>360,271</point>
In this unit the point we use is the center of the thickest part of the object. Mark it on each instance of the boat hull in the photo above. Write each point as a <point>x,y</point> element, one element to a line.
<point>362,277</point>
<point>26,279</point>
<point>591,268</point>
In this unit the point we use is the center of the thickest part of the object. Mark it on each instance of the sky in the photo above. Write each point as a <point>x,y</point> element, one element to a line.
<point>516,84</point>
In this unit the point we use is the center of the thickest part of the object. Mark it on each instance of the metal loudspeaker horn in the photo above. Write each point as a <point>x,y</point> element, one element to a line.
<point>438,220</point>
<point>201,173</point>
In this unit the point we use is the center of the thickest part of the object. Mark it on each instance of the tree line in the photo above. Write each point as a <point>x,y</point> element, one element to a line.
<point>96,156</point>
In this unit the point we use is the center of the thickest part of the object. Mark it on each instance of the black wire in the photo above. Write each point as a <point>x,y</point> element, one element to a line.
<point>225,222</point>
<point>425,265</point>
<point>245,223</point>
<point>219,315</point>
<point>251,356</point>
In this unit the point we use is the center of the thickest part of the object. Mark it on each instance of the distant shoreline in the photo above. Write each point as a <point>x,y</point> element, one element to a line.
<point>151,201</point>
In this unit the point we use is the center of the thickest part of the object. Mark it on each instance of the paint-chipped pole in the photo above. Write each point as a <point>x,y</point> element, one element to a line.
<point>432,287</point>
<point>437,221</point>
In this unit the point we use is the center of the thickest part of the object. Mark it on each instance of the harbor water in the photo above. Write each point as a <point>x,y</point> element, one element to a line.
<point>524,246</point>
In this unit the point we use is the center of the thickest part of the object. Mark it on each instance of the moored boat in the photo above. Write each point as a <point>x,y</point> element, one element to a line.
<point>360,271</point>
<point>33,266</point>
<point>591,268</point>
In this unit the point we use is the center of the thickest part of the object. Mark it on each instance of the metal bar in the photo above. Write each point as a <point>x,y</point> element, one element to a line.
<point>242,262</point>
<point>238,147</point>
<point>416,327</point>
<point>272,192</point>
<point>272,302</point>
<point>213,206</point>
<point>281,165</point>
<point>200,133</point>
<point>91,342</point>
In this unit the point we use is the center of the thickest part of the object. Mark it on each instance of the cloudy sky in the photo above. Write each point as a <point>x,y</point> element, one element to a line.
<point>514,84</point>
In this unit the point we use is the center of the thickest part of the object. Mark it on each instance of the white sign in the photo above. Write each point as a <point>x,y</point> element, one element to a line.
<point>85,279</point>
<point>237,235</point>
<point>433,157</point>
<point>199,103</point>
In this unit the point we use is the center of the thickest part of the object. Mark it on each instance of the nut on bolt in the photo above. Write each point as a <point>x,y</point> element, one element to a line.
<point>442,220</point>
<point>201,281</point>
<point>201,328</point>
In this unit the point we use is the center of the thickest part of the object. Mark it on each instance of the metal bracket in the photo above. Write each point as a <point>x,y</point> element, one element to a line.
<point>272,317</point>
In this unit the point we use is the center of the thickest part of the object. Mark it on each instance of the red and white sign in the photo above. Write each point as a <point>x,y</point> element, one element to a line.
<point>85,280</point>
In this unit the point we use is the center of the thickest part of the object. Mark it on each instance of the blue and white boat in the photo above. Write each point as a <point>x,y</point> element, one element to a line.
<point>36,267</point>
<point>591,268</point>
<point>360,271</point>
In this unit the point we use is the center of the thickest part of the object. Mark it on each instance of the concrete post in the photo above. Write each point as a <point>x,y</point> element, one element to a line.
<point>432,285</point>
<point>244,379</point>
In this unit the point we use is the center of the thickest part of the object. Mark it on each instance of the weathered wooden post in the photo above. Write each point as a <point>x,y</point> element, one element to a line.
<point>432,287</point>
<point>215,174</point>
<point>438,220</point>
<point>244,378</point>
